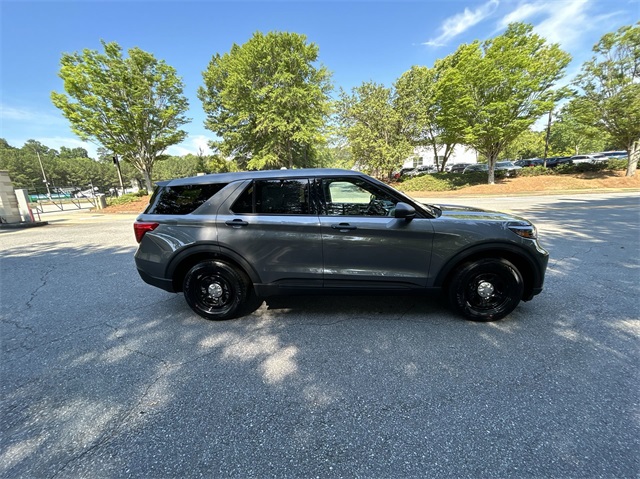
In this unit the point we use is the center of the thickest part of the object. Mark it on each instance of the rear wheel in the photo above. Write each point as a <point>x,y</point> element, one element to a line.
<point>215,290</point>
<point>486,290</point>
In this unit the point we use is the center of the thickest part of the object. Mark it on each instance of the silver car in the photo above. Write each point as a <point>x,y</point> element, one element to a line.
<point>225,238</point>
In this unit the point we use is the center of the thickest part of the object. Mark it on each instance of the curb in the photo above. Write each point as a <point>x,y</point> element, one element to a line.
<point>16,226</point>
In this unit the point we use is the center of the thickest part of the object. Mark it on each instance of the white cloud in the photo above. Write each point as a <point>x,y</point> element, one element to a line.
<point>192,145</point>
<point>524,12</point>
<point>566,22</point>
<point>22,114</point>
<point>457,24</point>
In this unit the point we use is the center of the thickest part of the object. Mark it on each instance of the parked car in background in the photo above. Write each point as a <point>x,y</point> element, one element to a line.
<point>90,193</point>
<point>559,160</point>
<point>423,170</point>
<point>508,167</point>
<point>457,168</point>
<point>402,172</point>
<point>590,158</point>
<point>529,162</point>
<point>615,155</point>
<point>476,167</point>
<point>224,239</point>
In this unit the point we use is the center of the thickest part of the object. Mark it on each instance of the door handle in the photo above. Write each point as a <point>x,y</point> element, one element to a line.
<point>344,227</point>
<point>236,223</point>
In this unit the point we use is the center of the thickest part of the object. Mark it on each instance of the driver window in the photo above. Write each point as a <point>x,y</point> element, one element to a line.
<point>356,198</point>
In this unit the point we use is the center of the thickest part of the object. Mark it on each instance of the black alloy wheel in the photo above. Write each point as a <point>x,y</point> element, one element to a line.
<point>486,290</point>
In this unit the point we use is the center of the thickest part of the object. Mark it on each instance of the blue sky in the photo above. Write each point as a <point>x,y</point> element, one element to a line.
<point>358,40</point>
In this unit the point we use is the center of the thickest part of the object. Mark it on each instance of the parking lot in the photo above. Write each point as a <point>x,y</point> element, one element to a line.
<point>104,376</point>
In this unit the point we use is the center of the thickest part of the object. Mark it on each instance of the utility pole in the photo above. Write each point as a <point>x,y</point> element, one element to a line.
<point>44,177</point>
<point>546,141</point>
<point>116,162</point>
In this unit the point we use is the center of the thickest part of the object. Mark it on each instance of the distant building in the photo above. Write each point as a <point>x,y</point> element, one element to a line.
<point>423,155</point>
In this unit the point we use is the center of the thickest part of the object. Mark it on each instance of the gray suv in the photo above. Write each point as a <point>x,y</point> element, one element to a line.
<point>224,239</point>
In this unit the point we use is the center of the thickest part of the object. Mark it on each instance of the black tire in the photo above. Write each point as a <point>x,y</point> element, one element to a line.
<point>215,290</point>
<point>486,290</point>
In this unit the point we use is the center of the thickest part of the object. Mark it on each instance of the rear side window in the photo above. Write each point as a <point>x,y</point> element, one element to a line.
<point>181,200</point>
<point>277,197</point>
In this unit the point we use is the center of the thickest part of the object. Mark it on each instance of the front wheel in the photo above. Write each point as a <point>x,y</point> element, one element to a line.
<point>215,290</point>
<point>486,290</point>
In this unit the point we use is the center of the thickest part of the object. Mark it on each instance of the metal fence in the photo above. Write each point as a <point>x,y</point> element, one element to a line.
<point>69,197</point>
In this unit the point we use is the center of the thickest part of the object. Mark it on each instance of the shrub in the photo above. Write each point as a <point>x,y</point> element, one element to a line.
<point>535,171</point>
<point>425,183</point>
<point>126,198</point>
<point>565,169</point>
<point>617,164</point>
<point>446,181</point>
<point>583,168</point>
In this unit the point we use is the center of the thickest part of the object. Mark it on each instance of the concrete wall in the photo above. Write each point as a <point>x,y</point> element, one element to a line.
<point>9,210</point>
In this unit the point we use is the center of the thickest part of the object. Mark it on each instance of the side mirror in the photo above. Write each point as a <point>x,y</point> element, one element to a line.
<point>405,211</point>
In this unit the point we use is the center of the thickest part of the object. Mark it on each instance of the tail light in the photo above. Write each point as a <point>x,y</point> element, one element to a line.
<point>141,227</point>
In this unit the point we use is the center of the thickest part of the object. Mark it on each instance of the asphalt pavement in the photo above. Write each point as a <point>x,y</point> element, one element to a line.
<point>103,376</point>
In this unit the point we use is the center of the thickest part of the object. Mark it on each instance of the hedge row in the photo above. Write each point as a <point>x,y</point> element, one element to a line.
<point>454,181</point>
<point>573,169</point>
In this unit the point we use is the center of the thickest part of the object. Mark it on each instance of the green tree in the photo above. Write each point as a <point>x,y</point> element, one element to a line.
<point>73,152</point>
<point>529,144</point>
<point>610,84</point>
<point>131,106</point>
<point>179,166</point>
<point>429,114</point>
<point>374,129</point>
<point>570,136</point>
<point>505,85</point>
<point>267,101</point>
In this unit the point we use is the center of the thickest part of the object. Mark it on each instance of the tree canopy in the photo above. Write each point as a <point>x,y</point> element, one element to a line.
<point>132,106</point>
<point>70,167</point>
<point>610,84</point>
<point>428,111</point>
<point>267,100</point>
<point>505,85</point>
<point>373,128</point>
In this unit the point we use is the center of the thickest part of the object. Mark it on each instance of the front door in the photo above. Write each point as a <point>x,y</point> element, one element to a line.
<point>364,245</point>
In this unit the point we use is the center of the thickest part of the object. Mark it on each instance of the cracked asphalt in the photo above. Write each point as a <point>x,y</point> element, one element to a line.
<point>103,376</point>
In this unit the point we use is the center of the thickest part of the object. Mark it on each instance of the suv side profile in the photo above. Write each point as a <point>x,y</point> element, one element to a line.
<point>223,238</point>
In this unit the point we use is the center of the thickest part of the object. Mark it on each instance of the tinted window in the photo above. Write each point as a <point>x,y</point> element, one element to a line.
<point>181,200</point>
<point>277,197</point>
<point>347,197</point>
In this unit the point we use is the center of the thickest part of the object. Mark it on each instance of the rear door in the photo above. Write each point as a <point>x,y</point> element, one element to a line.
<point>272,226</point>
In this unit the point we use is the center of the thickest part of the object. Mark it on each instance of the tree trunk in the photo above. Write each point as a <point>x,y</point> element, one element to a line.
<point>634,155</point>
<point>492,166</point>
<point>435,156</point>
<point>147,180</point>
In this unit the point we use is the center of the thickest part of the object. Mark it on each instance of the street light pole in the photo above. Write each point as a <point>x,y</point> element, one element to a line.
<point>43,175</point>
<point>116,162</point>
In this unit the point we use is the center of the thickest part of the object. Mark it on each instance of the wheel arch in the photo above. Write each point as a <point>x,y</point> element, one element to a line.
<point>189,257</point>
<point>516,256</point>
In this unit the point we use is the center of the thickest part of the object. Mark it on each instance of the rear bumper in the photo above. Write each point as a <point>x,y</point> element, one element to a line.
<point>162,283</point>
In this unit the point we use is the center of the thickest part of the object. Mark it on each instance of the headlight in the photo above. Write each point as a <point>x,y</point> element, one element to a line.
<point>526,231</point>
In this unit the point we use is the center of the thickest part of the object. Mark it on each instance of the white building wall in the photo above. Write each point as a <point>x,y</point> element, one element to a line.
<point>423,155</point>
